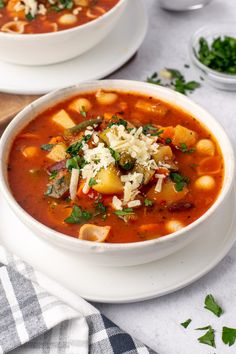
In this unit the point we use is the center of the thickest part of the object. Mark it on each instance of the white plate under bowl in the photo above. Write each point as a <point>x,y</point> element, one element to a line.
<point>121,284</point>
<point>115,50</point>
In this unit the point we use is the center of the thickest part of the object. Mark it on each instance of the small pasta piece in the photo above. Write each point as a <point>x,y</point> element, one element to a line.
<point>80,104</point>
<point>14,27</point>
<point>205,147</point>
<point>174,225</point>
<point>30,151</point>
<point>106,98</point>
<point>67,19</point>
<point>209,165</point>
<point>205,183</point>
<point>89,232</point>
<point>97,11</point>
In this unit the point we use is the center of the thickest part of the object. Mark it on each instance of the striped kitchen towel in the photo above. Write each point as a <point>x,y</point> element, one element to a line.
<point>53,321</point>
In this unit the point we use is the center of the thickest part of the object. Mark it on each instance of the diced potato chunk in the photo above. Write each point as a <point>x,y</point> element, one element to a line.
<point>30,151</point>
<point>164,153</point>
<point>108,181</point>
<point>94,233</point>
<point>80,104</point>
<point>168,193</point>
<point>151,107</point>
<point>184,135</point>
<point>63,119</point>
<point>58,152</point>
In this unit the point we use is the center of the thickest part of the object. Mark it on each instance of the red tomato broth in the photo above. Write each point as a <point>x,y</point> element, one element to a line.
<point>28,188</point>
<point>45,23</point>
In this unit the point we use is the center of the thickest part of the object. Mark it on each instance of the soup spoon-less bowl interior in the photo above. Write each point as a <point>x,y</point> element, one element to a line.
<point>55,47</point>
<point>132,253</point>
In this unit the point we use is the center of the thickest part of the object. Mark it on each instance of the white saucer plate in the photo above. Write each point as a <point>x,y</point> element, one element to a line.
<point>114,51</point>
<point>120,284</point>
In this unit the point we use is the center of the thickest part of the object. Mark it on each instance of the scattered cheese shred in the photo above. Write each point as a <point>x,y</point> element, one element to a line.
<point>116,203</point>
<point>134,203</point>
<point>74,183</point>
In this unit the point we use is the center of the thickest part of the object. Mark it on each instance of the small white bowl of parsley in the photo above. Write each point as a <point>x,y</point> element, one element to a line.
<point>213,51</point>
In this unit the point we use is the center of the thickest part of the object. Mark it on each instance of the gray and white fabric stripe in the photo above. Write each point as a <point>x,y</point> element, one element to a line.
<point>35,320</point>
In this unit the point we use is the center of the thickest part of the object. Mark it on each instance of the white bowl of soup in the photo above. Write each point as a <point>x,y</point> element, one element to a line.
<point>42,33</point>
<point>121,172</point>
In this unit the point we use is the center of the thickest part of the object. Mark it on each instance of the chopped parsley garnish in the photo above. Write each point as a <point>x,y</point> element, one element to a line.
<point>78,216</point>
<point>92,182</point>
<point>73,163</point>
<point>2,4</point>
<point>211,305</point>
<point>168,141</point>
<point>63,4</point>
<point>209,337</point>
<point>228,335</point>
<point>220,55</point>
<point>179,180</point>
<point>115,154</point>
<point>83,112</point>
<point>73,149</point>
<point>118,122</point>
<point>151,130</point>
<point>29,16</point>
<point>124,212</point>
<point>148,202</point>
<point>177,82</point>
<point>186,323</point>
<point>183,147</point>
<point>53,175</point>
<point>46,147</point>
<point>100,209</point>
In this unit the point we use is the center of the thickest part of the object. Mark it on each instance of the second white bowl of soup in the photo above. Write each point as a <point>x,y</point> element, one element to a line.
<point>120,172</point>
<point>61,30</point>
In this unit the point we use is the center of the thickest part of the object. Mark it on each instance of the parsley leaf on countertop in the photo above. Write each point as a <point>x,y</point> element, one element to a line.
<point>173,78</point>
<point>229,335</point>
<point>211,305</point>
<point>186,323</point>
<point>209,337</point>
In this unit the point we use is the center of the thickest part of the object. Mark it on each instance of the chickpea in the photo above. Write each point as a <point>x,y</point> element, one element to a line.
<point>205,182</point>
<point>205,147</point>
<point>80,104</point>
<point>106,98</point>
<point>174,225</point>
<point>67,19</point>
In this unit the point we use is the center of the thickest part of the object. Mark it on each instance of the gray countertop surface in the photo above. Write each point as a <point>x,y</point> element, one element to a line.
<point>157,322</point>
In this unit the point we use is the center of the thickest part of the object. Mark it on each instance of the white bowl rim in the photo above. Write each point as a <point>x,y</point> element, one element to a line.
<point>30,36</point>
<point>132,86</point>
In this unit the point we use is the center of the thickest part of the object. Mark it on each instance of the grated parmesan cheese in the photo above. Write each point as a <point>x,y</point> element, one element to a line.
<point>134,203</point>
<point>116,203</point>
<point>158,186</point>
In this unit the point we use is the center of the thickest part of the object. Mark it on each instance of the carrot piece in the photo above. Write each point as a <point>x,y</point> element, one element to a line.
<point>56,140</point>
<point>107,116</point>
<point>168,132</point>
<point>80,193</point>
<point>11,8</point>
<point>149,227</point>
<point>30,151</point>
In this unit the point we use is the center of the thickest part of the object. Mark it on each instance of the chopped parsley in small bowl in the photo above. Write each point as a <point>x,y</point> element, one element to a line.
<point>213,51</point>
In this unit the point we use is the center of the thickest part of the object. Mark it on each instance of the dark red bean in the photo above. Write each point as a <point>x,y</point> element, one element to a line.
<point>57,166</point>
<point>180,206</point>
